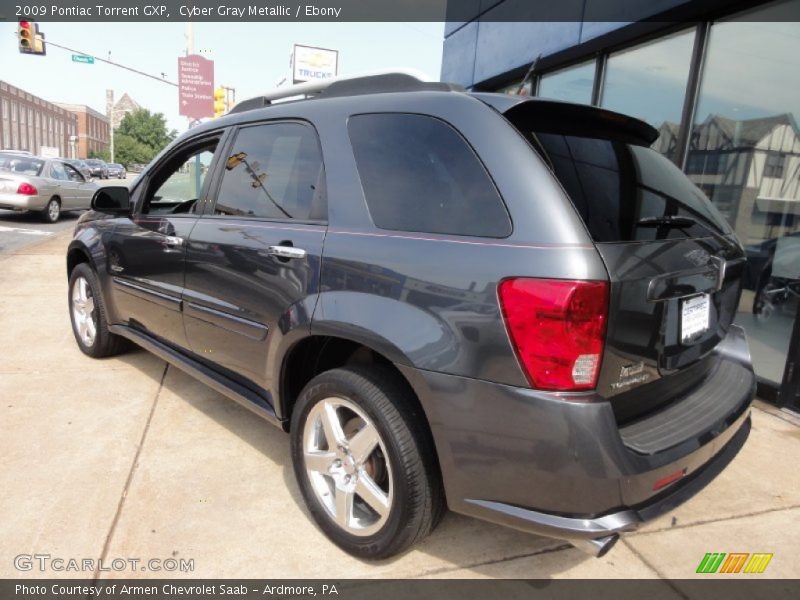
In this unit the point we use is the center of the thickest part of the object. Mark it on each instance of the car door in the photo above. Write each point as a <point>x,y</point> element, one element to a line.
<point>82,190</point>
<point>146,252</point>
<point>65,188</point>
<point>253,260</point>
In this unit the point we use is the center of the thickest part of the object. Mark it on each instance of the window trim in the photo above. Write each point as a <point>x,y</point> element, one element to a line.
<point>68,167</point>
<point>466,142</point>
<point>232,132</point>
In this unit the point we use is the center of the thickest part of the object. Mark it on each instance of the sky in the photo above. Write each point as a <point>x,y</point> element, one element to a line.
<point>251,57</point>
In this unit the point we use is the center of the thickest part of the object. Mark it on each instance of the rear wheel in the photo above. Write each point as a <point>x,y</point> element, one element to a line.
<point>52,211</point>
<point>88,315</point>
<point>363,460</point>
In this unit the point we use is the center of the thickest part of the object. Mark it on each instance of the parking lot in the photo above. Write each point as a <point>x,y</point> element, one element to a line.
<point>128,458</point>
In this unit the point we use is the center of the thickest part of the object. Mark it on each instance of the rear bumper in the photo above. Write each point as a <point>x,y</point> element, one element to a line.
<point>21,202</point>
<point>539,463</point>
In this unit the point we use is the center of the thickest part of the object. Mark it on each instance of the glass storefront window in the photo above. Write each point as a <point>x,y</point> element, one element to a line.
<point>515,89</point>
<point>649,82</point>
<point>573,84</point>
<point>744,153</point>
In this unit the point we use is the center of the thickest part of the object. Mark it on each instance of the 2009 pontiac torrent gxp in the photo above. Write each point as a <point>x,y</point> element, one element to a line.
<point>511,307</point>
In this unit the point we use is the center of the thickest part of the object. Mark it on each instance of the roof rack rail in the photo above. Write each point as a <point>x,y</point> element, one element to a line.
<point>399,80</point>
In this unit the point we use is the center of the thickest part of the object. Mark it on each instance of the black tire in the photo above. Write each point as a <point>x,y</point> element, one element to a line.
<point>52,211</point>
<point>417,500</point>
<point>104,342</point>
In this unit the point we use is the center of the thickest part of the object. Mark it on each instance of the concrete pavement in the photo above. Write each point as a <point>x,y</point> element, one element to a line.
<point>128,458</point>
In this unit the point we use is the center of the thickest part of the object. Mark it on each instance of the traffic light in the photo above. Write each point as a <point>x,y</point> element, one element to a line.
<point>220,105</point>
<point>30,40</point>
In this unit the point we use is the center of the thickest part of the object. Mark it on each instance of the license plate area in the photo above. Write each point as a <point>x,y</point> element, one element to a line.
<point>695,314</point>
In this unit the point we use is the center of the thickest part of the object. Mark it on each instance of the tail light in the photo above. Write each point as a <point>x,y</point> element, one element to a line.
<point>26,189</point>
<point>558,328</point>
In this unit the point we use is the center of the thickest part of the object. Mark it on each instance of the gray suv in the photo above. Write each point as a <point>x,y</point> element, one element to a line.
<point>511,307</point>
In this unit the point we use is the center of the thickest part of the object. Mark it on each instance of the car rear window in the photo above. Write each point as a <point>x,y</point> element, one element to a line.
<point>615,184</point>
<point>418,174</point>
<point>22,165</point>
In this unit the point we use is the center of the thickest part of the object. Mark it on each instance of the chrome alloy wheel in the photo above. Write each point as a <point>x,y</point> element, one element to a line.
<point>347,466</point>
<point>53,210</point>
<point>84,318</point>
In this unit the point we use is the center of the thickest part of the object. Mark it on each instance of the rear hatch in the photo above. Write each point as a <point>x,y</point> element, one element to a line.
<point>673,262</point>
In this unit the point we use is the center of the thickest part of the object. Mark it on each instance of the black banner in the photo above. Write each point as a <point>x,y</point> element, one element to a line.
<point>747,587</point>
<point>454,11</point>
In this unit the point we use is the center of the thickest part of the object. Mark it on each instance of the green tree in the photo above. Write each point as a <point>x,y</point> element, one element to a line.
<point>128,151</point>
<point>101,154</point>
<point>148,132</point>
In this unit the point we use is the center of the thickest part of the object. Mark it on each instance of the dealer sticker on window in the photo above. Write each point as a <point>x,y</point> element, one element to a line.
<point>694,316</point>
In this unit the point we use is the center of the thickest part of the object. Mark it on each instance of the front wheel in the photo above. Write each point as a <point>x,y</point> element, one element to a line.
<point>88,315</point>
<point>364,461</point>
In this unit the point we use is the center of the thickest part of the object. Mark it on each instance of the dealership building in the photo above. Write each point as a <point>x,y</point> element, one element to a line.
<point>719,80</point>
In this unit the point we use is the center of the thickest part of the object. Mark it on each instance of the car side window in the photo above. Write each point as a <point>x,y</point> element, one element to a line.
<point>72,174</point>
<point>176,186</point>
<point>419,174</point>
<point>57,171</point>
<point>274,171</point>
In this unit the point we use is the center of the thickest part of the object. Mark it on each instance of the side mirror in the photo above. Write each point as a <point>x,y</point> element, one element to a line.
<point>113,199</point>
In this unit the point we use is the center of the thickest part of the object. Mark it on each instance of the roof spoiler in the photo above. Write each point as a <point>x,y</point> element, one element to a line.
<point>566,118</point>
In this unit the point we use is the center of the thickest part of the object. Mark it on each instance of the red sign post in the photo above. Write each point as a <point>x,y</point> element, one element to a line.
<point>195,86</point>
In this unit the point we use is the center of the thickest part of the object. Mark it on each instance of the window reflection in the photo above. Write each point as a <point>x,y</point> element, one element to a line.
<point>649,82</point>
<point>275,172</point>
<point>573,84</point>
<point>744,152</point>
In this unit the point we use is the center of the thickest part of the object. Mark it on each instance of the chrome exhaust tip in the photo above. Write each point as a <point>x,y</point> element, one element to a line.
<point>597,547</point>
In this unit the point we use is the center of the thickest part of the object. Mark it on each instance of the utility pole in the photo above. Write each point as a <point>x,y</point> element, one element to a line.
<point>110,113</point>
<point>191,122</point>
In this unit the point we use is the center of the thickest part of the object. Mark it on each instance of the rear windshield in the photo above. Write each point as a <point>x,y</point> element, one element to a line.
<point>23,165</point>
<point>614,185</point>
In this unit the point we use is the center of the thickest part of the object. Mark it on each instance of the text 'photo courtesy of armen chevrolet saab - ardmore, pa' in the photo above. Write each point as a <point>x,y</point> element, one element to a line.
<point>437,298</point>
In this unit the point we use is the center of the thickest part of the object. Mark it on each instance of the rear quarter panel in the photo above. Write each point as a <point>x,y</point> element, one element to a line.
<point>429,300</point>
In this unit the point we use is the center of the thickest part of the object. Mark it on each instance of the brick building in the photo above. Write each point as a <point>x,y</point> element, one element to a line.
<point>28,122</point>
<point>93,129</point>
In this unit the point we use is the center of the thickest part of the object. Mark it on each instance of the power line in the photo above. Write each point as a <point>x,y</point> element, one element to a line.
<point>112,63</point>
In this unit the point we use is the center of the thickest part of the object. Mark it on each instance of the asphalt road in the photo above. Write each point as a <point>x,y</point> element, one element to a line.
<point>19,229</point>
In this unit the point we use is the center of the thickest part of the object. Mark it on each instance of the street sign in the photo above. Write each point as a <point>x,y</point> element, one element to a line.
<point>82,58</point>
<point>195,86</point>
<point>310,64</point>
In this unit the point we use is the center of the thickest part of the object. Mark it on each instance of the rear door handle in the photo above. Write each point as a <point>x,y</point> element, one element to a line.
<point>286,252</point>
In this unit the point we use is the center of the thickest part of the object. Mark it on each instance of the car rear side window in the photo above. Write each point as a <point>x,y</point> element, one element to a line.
<point>22,165</point>
<point>274,171</point>
<point>418,174</point>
